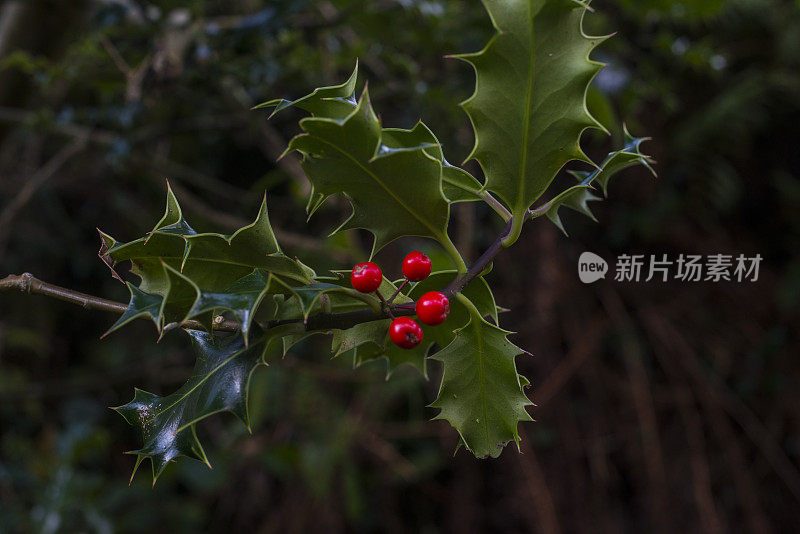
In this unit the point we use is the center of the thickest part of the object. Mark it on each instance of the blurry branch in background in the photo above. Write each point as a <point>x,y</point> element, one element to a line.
<point>33,183</point>
<point>84,134</point>
<point>134,77</point>
<point>719,393</point>
<point>101,137</point>
<point>273,142</point>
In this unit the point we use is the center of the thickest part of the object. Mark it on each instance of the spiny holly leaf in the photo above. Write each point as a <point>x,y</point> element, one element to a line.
<point>335,101</point>
<point>628,156</point>
<point>211,261</point>
<point>528,109</point>
<point>141,305</point>
<point>481,395</point>
<point>577,197</point>
<point>457,184</point>
<point>220,382</point>
<point>394,191</point>
<point>179,299</point>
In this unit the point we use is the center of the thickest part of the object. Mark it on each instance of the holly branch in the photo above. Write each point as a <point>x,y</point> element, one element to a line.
<point>528,113</point>
<point>29,284</point>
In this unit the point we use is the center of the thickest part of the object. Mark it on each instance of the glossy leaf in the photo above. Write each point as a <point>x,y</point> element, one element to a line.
<point>334,101</point>
<point>528,109</point>
<point>141,305</point>
<point>578,196</point>
<point>395,191</point>
<point>212,261</point>
<point>481,395</point>
<point>457,184</point>
<point>242,298</point>
<point>220,382</point>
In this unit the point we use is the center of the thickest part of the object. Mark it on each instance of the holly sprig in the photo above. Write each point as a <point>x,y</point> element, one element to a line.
<point>242,301</point>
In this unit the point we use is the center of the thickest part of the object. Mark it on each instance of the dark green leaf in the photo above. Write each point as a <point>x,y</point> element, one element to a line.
<point>394,192</point>
<point>481,394</point>
<point>528,110</point>
<point>220,382</point>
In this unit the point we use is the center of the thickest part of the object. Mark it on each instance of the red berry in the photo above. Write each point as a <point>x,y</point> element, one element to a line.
<point>416,266</point>
<point>366,277</point>
<point>405,332</point>
<point>433,308</point>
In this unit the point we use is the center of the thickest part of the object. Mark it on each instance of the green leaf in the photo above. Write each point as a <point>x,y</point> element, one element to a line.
<point>395,191</point>
<point>220,382</point>
<point>179,299</point>
<point>335,101</point>
<point>212,261</point>
<point>481,395</point>
<point>370,335</point>
<point>577,197</point>
<point>141,305</point>
<point>628,156</point>
<point>529,105</point>
<point>457,184</point>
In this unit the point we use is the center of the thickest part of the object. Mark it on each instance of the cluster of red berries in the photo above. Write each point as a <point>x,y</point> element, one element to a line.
<point>432,308</point>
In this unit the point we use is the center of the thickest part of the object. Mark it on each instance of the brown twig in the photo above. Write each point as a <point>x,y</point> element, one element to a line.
<point>480,264</point>
<point>27,283</point>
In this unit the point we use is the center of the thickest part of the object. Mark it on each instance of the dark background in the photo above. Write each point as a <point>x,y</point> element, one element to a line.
<point>662,407</point>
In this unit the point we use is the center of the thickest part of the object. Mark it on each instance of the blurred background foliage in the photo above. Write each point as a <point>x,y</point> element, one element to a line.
<point>661,406</point>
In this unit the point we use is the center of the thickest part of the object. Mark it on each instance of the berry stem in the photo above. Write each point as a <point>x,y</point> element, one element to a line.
<point>385,306</point>
<point>402,285</point>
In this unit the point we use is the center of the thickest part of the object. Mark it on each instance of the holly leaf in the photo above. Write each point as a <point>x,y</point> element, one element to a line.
<point>190,275</point>
<point>395,191</point>
<point>481,395</point>
<point>371,335</point>
<point>333,101</point>
<point>211,261</point>
<point>577,197</point>
<point>141,305</point>
<point>628,156</point>
<point>457,184</point>
<point>529,105</point>
<point>220,383</point>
